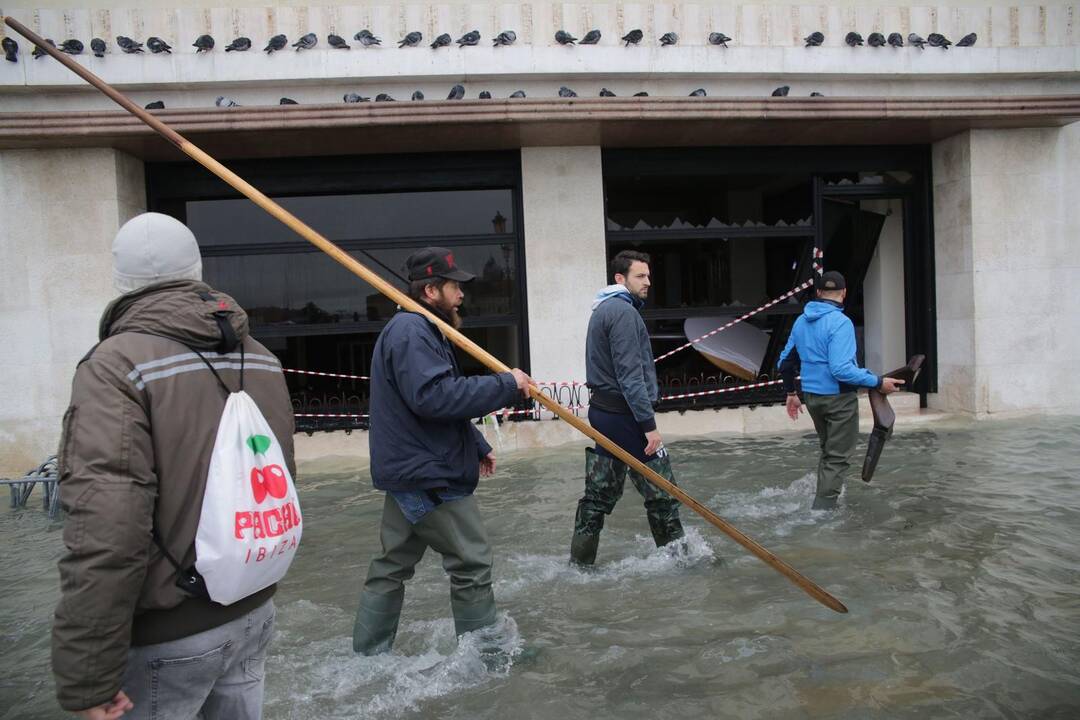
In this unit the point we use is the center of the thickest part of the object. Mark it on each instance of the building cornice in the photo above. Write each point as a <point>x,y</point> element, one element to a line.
<point>498,124</point>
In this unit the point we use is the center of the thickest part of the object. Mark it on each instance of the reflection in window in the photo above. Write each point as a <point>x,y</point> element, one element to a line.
<point>738,272</point>
<point>869,177</point>
<point>680,202</point>
<point>282,290</point>
<point>356,217</point>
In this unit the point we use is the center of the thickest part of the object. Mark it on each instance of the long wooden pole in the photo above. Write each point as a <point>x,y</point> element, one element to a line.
<point>490,361</point>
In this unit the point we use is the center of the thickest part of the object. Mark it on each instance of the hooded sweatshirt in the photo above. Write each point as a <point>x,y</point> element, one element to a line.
<point>823,342</point>
<point>134,455</point>
<point>619,366</point>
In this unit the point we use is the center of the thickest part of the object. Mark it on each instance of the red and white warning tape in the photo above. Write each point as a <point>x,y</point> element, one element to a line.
<point>325,374</point>
<point>736,321</point>
<point>719,391</point>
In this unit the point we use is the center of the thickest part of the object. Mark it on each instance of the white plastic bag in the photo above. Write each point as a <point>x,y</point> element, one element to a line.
<point>250,524</point>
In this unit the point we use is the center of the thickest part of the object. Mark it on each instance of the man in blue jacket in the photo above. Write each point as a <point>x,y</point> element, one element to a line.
<point>822,341</point>
<point>621,375</point>
<point>428,456</point>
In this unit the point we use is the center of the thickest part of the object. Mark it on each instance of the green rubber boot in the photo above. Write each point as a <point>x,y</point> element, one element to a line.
<point>377,622</point>
<point>473,613</point>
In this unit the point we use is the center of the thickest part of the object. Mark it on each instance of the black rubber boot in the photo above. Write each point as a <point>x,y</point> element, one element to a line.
<point>583,549</point>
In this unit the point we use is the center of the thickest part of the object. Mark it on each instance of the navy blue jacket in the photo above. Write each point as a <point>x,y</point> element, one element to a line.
<point>421,436</point>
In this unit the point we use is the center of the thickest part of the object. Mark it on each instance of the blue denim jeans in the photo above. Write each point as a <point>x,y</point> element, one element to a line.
<point>212,675</point>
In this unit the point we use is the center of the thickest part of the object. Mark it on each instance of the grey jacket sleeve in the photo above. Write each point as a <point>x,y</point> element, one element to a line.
<point>626,355</point>
<point>108,488</point>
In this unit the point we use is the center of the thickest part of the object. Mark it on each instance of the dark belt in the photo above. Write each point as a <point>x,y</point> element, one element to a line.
<point>609,402</point>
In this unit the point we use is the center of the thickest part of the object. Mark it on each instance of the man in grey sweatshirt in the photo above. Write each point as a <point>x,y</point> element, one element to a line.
<point>621,376</point>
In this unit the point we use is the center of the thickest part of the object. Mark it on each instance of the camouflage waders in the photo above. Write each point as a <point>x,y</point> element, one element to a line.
<point>605,477</point>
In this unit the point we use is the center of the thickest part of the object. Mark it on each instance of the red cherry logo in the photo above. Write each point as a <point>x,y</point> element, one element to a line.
<point>269,480</point>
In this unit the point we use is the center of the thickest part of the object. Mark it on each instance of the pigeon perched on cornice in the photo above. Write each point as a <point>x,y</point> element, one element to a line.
<point>307,42</point>
<point>278,42</point>
<point>157,46</point>
<point>240,44</point>
<point>366,38</point>
<point>470,38</point>
<point>938,40</point>
<point>11,49</point>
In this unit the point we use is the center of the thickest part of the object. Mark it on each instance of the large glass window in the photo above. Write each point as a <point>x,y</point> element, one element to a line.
<point>731,229</point>
<point>313,313</point>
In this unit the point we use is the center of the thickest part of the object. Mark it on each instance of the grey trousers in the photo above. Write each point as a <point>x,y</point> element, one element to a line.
<point>212,675</point>
<point>454,530</point>
<point>836,419</point>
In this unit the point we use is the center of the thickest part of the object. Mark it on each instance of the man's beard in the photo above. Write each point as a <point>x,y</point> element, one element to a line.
<point>455,318</point>
<point>447,312</point>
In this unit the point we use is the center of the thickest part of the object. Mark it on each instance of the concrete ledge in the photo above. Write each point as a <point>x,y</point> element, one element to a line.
<point>337,449</point>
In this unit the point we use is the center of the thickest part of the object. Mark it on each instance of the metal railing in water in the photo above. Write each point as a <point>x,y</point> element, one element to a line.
<point>45,475</point>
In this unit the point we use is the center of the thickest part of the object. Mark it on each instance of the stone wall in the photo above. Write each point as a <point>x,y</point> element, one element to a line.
<point>1008,276</point>
<point>60,210</point>
<point>565,254</point>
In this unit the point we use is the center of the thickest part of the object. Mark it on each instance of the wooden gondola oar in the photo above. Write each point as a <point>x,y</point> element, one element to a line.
<point>481,355</point>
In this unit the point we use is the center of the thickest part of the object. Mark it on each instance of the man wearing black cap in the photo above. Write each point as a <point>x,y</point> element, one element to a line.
<point>822,341</point>
<point>428,456</point>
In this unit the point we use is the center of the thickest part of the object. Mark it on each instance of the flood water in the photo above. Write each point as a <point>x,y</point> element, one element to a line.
<point>960,565</point>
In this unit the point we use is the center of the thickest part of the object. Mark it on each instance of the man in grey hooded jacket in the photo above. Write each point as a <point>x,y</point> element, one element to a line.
<point>621,375</point>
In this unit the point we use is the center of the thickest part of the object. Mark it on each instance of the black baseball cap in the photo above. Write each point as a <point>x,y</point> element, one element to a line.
<point>830,280</point>
<point>435,262</point>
